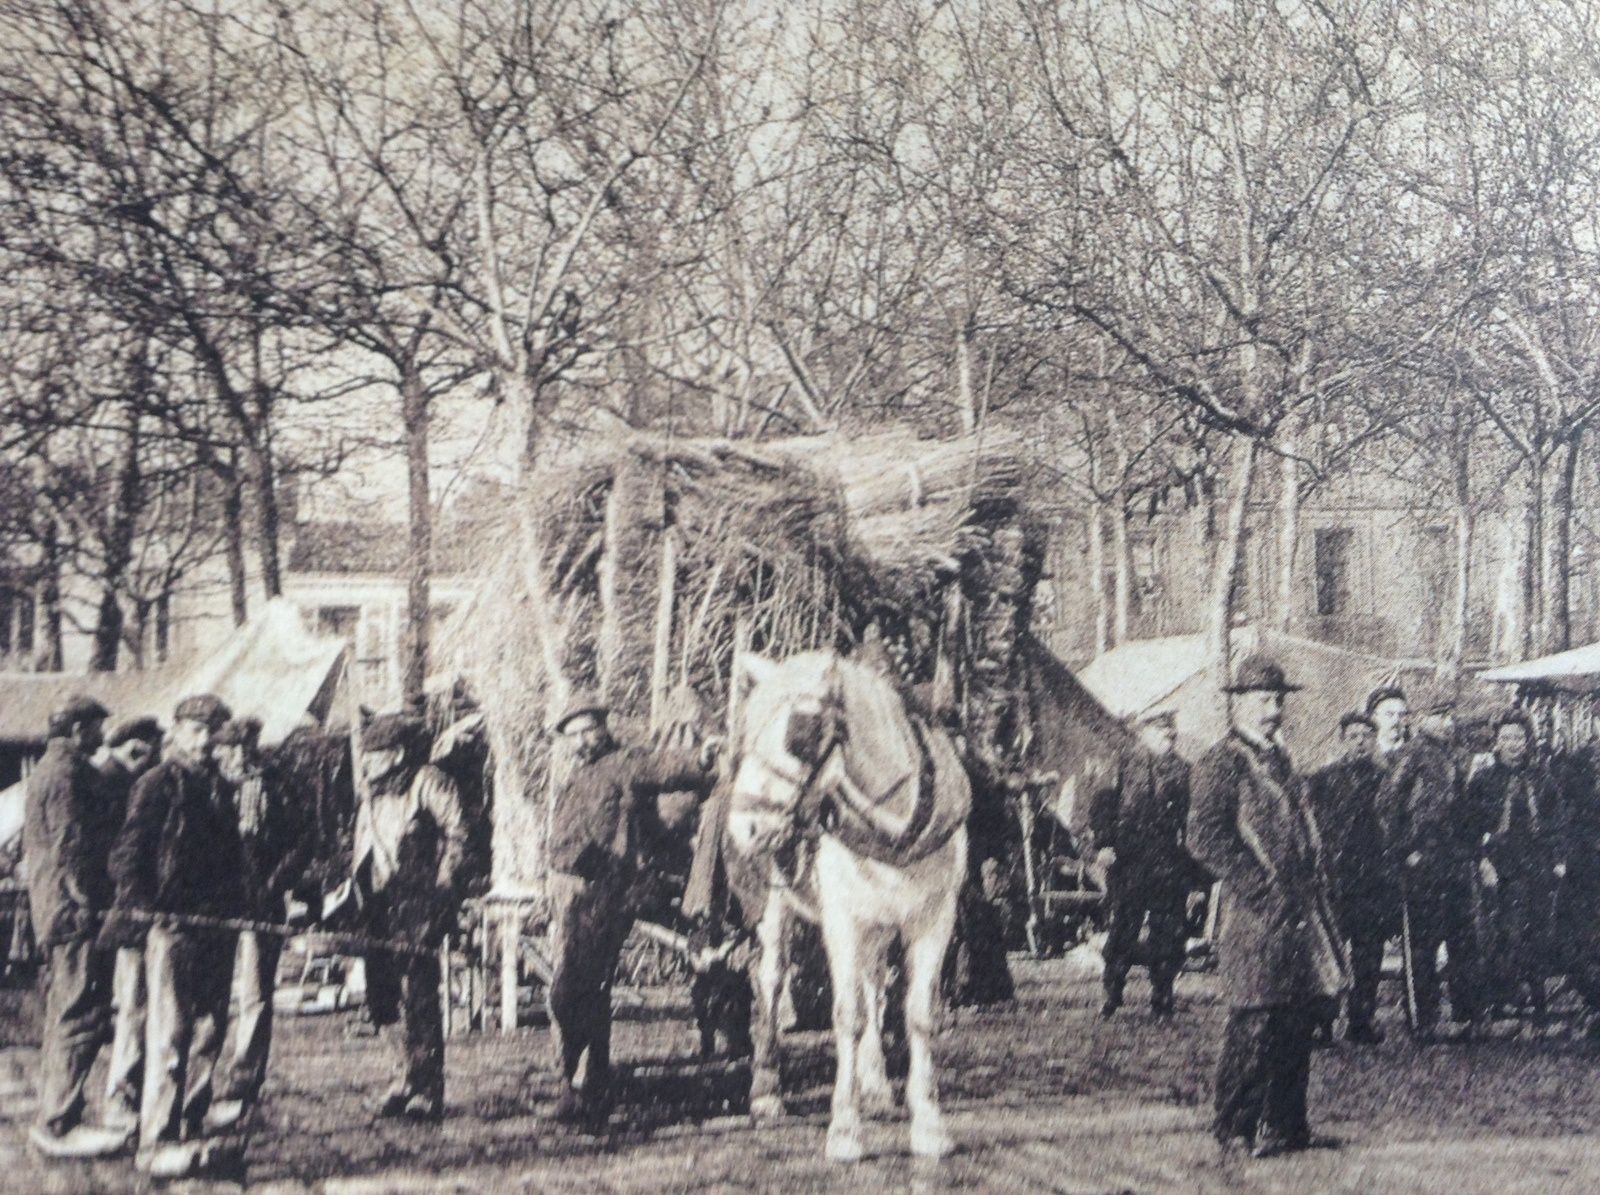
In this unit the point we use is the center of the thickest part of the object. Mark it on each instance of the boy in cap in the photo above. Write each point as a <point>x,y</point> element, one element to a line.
<point>1280,958</point>
<point>131,749</point>
<point>1344,795</point>
<point>1138,821</point>
<point>594,857</point>
<point>179,857</point>
<point>64,844</point>
<point>410,841</point>
<point>1423,807</point>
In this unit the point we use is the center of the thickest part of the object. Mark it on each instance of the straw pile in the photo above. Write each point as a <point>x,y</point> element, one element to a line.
<point>636,568</point>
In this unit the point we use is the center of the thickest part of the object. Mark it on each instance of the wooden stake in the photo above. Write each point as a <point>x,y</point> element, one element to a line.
<point>661,662</point>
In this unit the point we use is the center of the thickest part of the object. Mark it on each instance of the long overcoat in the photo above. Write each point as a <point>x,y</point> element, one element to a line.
<point>1141,810</point>
<point>63,844</point>
<point>1344,795</point>
<point>1251,825</point>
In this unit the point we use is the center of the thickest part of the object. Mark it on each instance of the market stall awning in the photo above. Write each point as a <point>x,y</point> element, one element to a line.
<point>1575,664</point>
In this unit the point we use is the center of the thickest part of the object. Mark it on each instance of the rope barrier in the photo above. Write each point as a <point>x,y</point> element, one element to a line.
<point>355,943</point>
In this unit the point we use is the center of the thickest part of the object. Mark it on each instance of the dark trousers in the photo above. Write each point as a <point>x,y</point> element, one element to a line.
<point>1263,1074</point>
<point>403,997</point>
<point>76,1018</point>
<point>589,923</point>
<point>1130,900</point>
<point>1438,903</point>
<point>1366,967</point>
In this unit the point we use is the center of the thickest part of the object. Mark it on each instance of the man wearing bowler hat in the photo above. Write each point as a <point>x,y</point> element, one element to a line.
<point>1423,805</point>
<point>1138,821</point>
<point>1280,957</point>
<point>595,853</point>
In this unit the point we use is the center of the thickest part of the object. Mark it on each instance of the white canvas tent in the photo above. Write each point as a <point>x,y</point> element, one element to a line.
<point>271,668</point>
<point>1578,668</point>
<point>1179,673</point>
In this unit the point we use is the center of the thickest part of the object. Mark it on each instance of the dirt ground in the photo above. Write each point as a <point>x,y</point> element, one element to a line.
<point>1042,1096</point>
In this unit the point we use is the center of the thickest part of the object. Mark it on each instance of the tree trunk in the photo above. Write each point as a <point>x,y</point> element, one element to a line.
<point>1462,597</point>
<point>51,658</point>
<point>1557,539</point>
<point>966,392</point>
<point>1288,538</point>
<point>1097,579</point>
<point>264,483</point>
<point>118,550</point>
<point>233,544</point>
<point>1533,572</point>
<point>1225,573</point>
<point>419,530</point>
<point>1122,562</point>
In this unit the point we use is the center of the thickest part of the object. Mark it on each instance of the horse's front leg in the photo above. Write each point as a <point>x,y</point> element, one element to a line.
<point>766,1069</point>
<point>872,1073</point>
<point>850,945</point>
<point>926,944</point>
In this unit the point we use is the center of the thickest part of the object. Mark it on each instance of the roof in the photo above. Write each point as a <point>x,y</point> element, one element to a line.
<point>371,546</point>
<point>1579,664</point>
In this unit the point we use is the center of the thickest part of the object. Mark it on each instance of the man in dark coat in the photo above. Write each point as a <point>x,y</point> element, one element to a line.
<point>411,842</point>
<point>1425,817</point>
<point>1138,818</point>
<point>1577,934</point>
<point>64,843</point>
<point>1519,820</point>
<point>277,847</point>
<point>594,859</point>
<point>179,861</point>
<point>131,749</point>
<point>1279,952</point>
<point>1344,795</point>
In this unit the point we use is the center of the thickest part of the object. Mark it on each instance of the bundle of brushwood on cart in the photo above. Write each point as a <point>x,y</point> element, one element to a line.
<point>639,569</point>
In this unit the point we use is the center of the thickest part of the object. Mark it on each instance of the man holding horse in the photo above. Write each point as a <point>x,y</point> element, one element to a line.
<point>595,854</point>
<point>1280,954</point>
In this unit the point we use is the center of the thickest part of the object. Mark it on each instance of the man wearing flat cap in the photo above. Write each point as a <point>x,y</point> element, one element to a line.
<point>1280,957</point>
<point>410,842</point>
<point>595,847</point>
<point>178,864</point>
<point>1344,795</point>
<point>132,748</point>
<point>64,844</point>
<point>1138,818</point>
<point>1423,806</point>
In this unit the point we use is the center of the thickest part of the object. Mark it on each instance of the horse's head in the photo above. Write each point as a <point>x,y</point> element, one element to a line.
<point>793,722</point>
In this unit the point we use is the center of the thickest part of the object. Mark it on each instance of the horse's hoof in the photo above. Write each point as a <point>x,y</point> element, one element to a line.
<point>843,1146</point>
<point>931,1141</point>
<point>766,1107</point>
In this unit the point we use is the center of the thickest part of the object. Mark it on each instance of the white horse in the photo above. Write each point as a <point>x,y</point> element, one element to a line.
<point>856,813</point>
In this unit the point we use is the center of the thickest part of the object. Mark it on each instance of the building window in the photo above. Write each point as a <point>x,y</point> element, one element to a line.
<point>1332,551</point>
<point>16,622</point>
<point>338,621</point>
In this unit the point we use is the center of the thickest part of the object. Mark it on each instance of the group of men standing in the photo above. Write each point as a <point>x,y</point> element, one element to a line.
<point>161,875</point>
<point>137,846</point>
<point>1404,835</point>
